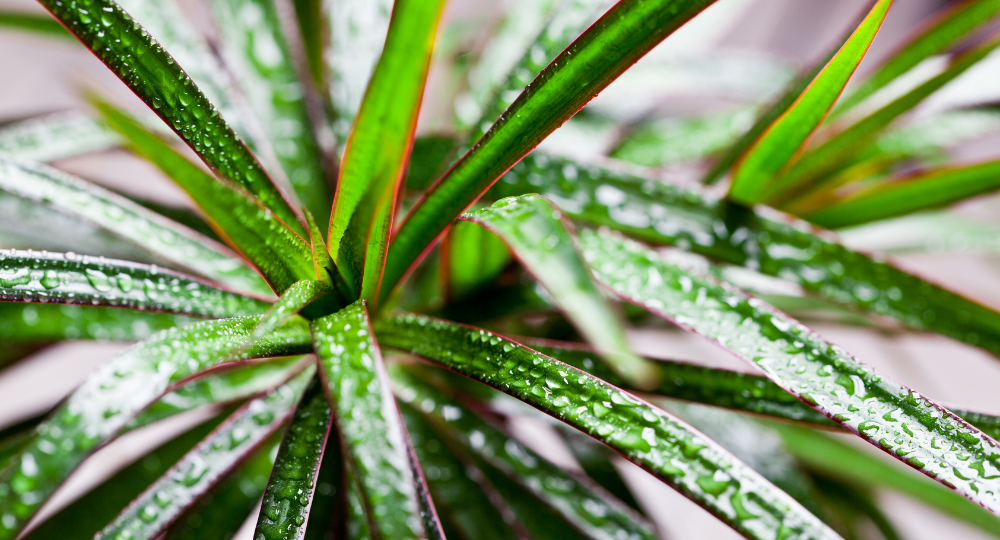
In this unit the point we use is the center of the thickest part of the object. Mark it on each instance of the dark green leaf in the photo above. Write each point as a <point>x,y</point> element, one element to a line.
<point>105,403</point>
<point>430,157</point>
<point>281,255</point>
<point>375,160</point>
<point>663,214</point>
<point>34,323</point>
<point>374,439</point>
<point>309,16</point>
<point>785,137</point>
<point>536,233</point>
<point>38,24</point>
<point>126,219</point>
<point>651,438</point>
<point>473,258</point>
<point>328,510</point>
<point>149,71</point>
<point>594,60</point>
<point>891,416</point>
<point>852,505</point>
<point>596,461</point>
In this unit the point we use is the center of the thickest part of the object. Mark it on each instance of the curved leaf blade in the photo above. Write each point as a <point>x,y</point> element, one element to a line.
<point>374,164</point>
<point>681,457</point>
<point>55,136</point>
<point>374,439</point>
<point>201,468</point>
<point>119,390</point>
<point>891,416</point>
<point>95,281</point>
<point>615,42</point>
<point>35,323</point>
<point>538,235</point>
<point>30,22</point>
<point>784,138</point>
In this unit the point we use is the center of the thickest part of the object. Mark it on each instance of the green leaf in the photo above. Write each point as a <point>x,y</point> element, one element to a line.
<point>622,36</point>
<point>55,136</point>
<point>891,416</point>
<point>206,464</point>
<point>647,436</point>
<point>946,28</point>
<point>309,16</point>
<point>582,505</point>
<point>138,60</point>
<point>113,395</point>
<point>374,163</point>
<point>327,512</point>
<point>96,508</point>
<point>79,279</point>
<point>296,297</point>
<point>831,456</point>
<point>671,140</point>
<point>374,439</point>
<point>539,237</point>
<point>473,258</point>
<point>805,173</point>
<point>33,323</point>
<point>281,255</point>
<point>786,136</point>
<point>596,461</point>
<point>430,157</point>
<point>929,190</point>
<point>662,214</point>
<point>38,24</point>
<point>151,232</point>
<point>262,61</point>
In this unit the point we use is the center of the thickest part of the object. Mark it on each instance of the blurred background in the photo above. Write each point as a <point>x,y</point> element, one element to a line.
<point>737,53</point>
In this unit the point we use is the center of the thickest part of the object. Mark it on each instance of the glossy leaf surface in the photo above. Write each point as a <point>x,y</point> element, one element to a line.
<point>662,214</point>
<point>649,437</point>
<point>294,299</point>
<point>887,414</point>
<point>207,463</point>
<point>374,439</point>
<point>80,279</point>
<point>784,138</point>
<point>374,163</point>
<point>160,236</point>
<point>281,255</point>
<point>142,64</point>
<point>583,505</point>
<point>622,36</point>
<point>33,323</point>
<point>537,235</point>
<point>114,394</point>
<point>289,494</point>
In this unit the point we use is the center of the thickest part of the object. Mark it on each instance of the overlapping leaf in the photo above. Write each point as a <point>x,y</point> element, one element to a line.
<point>34,323</point>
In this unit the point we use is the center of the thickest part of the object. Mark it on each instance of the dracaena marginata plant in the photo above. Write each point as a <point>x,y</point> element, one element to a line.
<point>365,313</point>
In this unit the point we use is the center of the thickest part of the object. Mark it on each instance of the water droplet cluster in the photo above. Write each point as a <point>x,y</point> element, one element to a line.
<point>57,322</point>
<point>648,436</point>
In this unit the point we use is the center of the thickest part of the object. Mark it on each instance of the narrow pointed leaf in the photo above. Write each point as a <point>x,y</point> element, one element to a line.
<point>30,22</point>
<point>358,526</point>
<point>153,233</point>
<point>428,513</point>
<point>374,439</point>
<point>292,301</point>
<point>825,158</point>
<point>538,235</point>
<point>34,323</point>
<point>55,136</point>
<point>891,416</point>
<point>113,395</point>
<point>784,138</point>
<point>282,256</point>
<point>289,495</point>
<point>662,214</point>
<point>201,468</point>
<point>309,16</point>
<point>584,506</point>
<point>615,42</point>
<point>473,257</point>
<point>271,83</point>
<point>327,511</point>
<point>931,190</point>
<point>138,60</point>
<point>80,279</point>
<point>647,436</point>
<point>374,164</point>
<point>945,29</point>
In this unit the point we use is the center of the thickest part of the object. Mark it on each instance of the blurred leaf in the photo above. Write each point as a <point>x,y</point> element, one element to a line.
<point>663,214</point>
<point>779,144</point>
<point>114,394</point>
<point>932,189</point>
<point>430,157</point>
<point>925,232</point>
<point>473,258</point>
<point>74,279</point>
<point>309,16</point>
<point>279,253</point>
<point>935,36</point>
<point>601,54</point>
<point>891,416</point>
<point>596,461</point>
<point>289,495</point>
<point>154,233</point>
<point>375,443</point>
<point>328,511</point>
<point>30,22</point>
<point>33,323</point>
<point>852,505</point>
<point>262,62</point>
<point>55,136</point>
<point>374,163</point>
<point>539,237</point>
<point>667,141</point>
<point>201,468</point>
<point>647,436</point>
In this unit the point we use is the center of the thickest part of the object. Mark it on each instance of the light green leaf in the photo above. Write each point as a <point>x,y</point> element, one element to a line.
<point>55,136</point>
<point>473,256</point>
<point>33,323</point>
<point>30,22</point>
